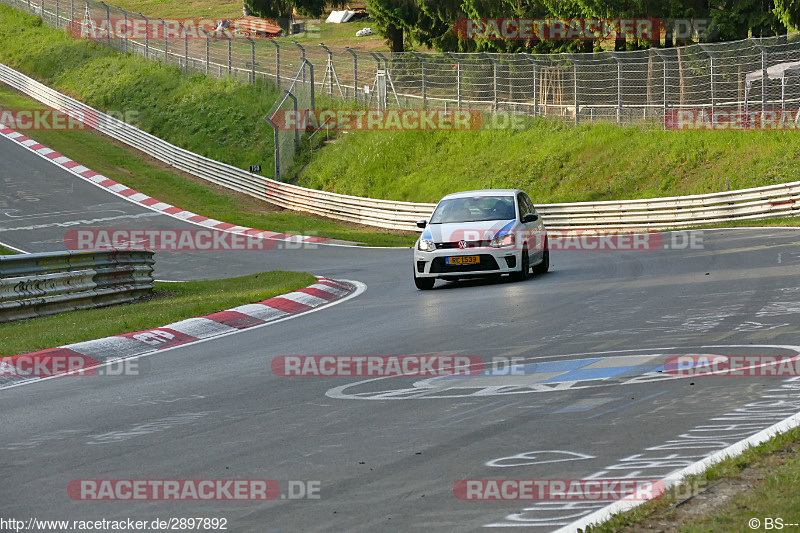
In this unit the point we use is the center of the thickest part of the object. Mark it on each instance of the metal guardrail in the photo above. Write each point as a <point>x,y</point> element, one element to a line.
<point>34,285</point>
<point>656,214</point>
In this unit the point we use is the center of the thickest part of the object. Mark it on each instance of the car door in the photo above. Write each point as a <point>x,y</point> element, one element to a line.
<point>533,229</point>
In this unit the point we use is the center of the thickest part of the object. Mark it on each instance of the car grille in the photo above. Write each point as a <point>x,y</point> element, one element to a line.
<point>487,262</point>
<point>470,244</point>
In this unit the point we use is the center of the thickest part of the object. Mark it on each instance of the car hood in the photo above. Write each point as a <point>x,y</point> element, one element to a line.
<point>468,231</point>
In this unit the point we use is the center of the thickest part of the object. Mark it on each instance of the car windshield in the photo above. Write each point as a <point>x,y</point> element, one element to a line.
<point>474,209</point>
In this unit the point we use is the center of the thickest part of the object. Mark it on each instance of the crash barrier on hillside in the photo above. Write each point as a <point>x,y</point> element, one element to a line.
<point>656,214</point>
<point>33,285</point>
<point>630,87</point>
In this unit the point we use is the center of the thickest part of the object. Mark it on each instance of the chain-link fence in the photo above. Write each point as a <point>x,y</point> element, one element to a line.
<point>646,86</point>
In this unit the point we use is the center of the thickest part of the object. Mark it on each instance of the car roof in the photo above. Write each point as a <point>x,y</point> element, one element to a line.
<point>484,192</point>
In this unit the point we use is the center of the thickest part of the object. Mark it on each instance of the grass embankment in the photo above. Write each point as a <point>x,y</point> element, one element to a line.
<point>555,162</point>
<point>220,119</point>
<point>759,483</point>
<point>170,302</point>
<point>6,251</point>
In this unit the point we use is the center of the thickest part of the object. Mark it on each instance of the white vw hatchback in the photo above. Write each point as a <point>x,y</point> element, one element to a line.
<point>481,233</point>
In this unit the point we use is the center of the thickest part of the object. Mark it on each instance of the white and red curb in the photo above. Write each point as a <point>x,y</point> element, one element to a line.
<point>144,200</point>
<point>324,292</point>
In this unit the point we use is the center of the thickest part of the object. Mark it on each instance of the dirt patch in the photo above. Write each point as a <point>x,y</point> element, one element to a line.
<point>713,497</point>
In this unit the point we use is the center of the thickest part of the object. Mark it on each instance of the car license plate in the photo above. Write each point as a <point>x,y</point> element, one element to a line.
<point>463,260</point>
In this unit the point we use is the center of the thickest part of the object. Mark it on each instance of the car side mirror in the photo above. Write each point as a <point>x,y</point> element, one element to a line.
<point>530,217</point>
<point>422,223</point>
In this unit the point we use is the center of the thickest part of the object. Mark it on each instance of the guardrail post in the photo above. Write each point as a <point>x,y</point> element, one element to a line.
<point>355,72</point>
<point>277,63</point>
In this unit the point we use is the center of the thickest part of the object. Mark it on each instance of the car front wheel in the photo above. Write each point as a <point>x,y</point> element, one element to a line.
<point>424,284</point>
<point>544,266</point>
<point>524,266</point>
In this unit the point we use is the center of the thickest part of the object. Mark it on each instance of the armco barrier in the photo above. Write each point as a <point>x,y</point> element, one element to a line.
<point>655,214</point>
<point>42,284</point>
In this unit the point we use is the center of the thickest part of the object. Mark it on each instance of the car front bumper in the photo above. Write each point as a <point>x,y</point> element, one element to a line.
<point>493,261</point>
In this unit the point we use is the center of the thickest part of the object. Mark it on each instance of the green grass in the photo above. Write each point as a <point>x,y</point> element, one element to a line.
<point>6,251</point>
<point>170,302</point>
<point>555,162</point>
<point>773,495</point>
<point>155,179</point>
<point>182,8</point>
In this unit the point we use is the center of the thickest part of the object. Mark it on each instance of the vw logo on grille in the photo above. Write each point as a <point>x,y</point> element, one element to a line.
<point>462,244</point>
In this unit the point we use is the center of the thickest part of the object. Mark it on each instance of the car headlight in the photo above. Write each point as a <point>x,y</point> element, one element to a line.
<point>424,245</point>
<point>503,241</point>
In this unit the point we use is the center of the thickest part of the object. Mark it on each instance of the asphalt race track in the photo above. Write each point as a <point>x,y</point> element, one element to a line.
<point>388,452</point>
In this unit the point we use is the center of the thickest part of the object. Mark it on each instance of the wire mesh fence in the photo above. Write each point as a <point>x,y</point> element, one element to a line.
<point>699,82</point>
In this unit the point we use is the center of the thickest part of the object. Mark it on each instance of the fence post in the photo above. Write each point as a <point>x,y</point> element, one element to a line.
<point>185,48</point>
<point>277,63</point>
<point>458,78</point>
<point>494,81</point>
<point>125,41</point>
<point>208,50</point>
<point>619,86</point>
<point>355,72</point>
<point>277,147</point>
<point>71,10</point>
<point>421,58</point>
<point>253,59</point>
<point>311,72</point>
<point>575,87</point>
<point>302,58</point>
<point>328,70</point>
<point>664,62</point>
<point>530,58</point>
<point>108,22</point>
<point>711,73</point>
<point>166,43</point>
<point>296,129</point>
<point>146,38</point>
<point>230,56</point>
<point>58,22</point>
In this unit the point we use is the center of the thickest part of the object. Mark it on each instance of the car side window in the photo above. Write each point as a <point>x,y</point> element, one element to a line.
<point>528,202</point>
<point>523,206</point>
